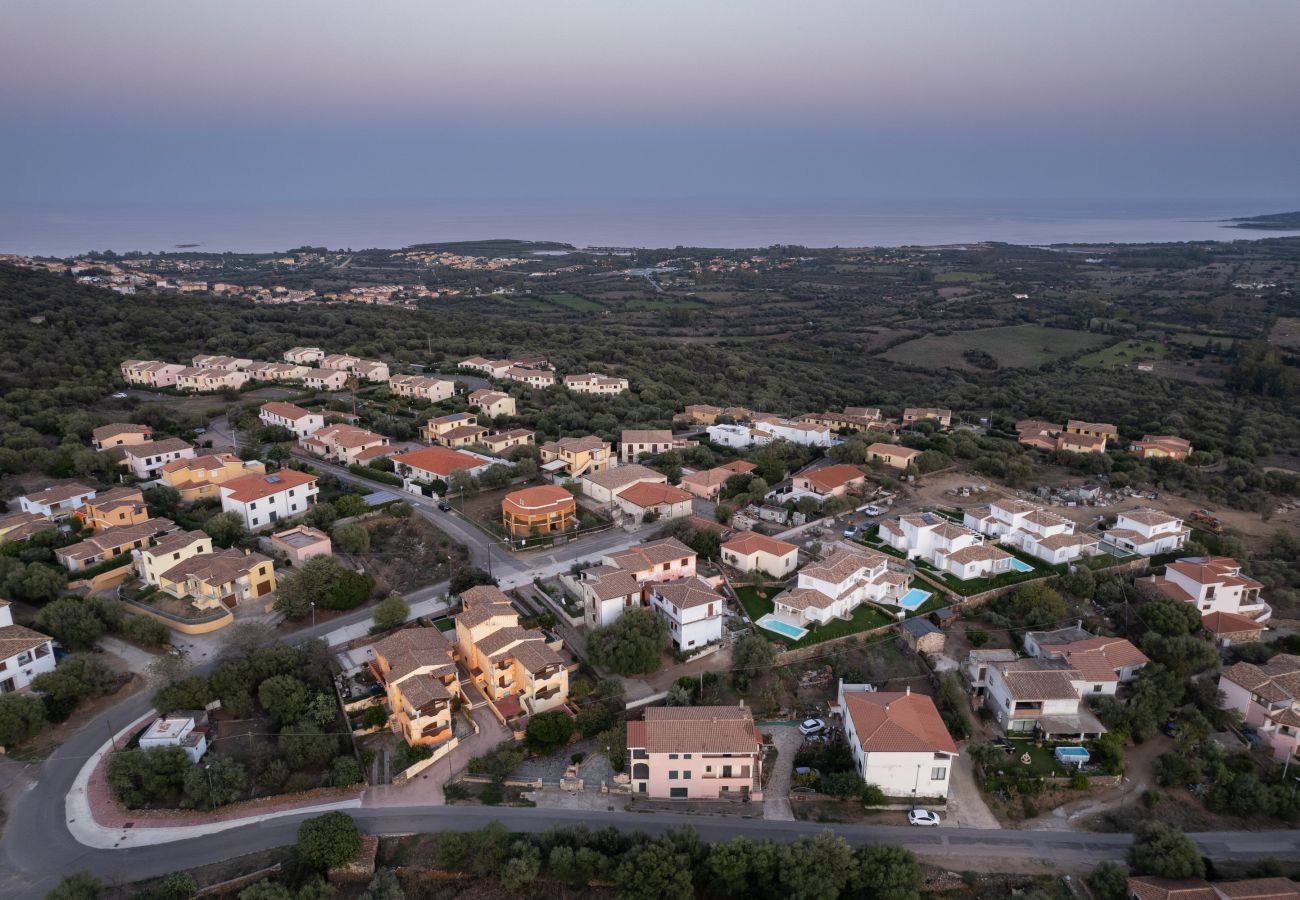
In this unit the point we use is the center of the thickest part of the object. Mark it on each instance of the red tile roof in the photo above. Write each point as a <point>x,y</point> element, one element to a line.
<point>894,722</point>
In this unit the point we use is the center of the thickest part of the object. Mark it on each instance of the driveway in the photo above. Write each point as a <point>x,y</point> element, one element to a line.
<point>966,806</point>
<point>426,787</point>
<point>776,796</point>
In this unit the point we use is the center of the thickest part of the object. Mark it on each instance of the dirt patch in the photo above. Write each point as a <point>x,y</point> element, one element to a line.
<point>408,553</point>
<point>53,737</point>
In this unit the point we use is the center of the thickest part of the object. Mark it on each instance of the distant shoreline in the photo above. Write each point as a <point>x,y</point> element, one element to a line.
<point>1288,221</point>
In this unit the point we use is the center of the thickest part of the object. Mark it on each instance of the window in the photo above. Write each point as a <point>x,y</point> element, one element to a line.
<point>677,793</point>
<point>1096,688</point>
<point>686,775</point>
<point>672,755</point>
<point>686,756</point>
<point>672,774</point>
<point>938,773</point>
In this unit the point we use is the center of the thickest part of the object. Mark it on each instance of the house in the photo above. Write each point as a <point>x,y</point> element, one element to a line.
<point>661,501</point>
<point>940,417</point>
<point>498,442</point>
<point>692,609</point>
<point>575,457</point>
<point>339,361</point>
<point>24,653</point>
<point>302,422</point>
<point>19,526</point>
<point>1102,431</point>
<point>304,355</point>
<point>220,578</point>
<point>946,545</point>
<point>270,371</point>
<point>431,464</point>
<point>123,505</point>
<point>1230,628</point>
<point>829,481</point>
<point>603,486</point>
<point>150,373</point>
<point>737,437</point>
<point>168,550</point>
<point>591,383</point>
<point>1080,443</point>
<point>225,363</point>
<point>455,429</point>
<point>492,403</point>
<point>494,368</point>
<point>534,378</point>
<point>854,418</point>
<point>416,668</point>
<point>1037,433</point>
<point>696,753</point>
<point>1212,584</point>
<point>892,455</point>
<point>421,388</point>
<point>301,543</point>
<point>57,502</point>
<point>634,444</point>
<point>262,500</point>
<point>540,510</point>
<point>1148,532</point>
<point>177,731</point>
<point>1162,446</point>
<point>1033,529</point>
<point>922,636</point>
<point>616,583</point>
<point>836,585</point>
<point>898,741</point>
<point>1146,887</point>
<point>976,666</point>
<point>1083,437</point>
<point>699,414</point>
<point>706,484</point>
<point>1104,661</point>
<point>111,543</point>
<point>807,434</point>
<point>200,477</point>
<point>326,379</point>
<point>519,669</point>
<point>205,379</point>
<point>371,370</point>
<point>1268,698</point>
<point>147,460</point>
<point>754,552</point>
<point>1041,695</point>
<point>347,444</point>
<point>120,435</point>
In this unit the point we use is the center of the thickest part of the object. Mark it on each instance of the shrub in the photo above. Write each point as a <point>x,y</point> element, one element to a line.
<point>22,716</point>
<point>390,612</point>
<point>328,841</point>
<point>1079,782</point>
<point>549,730</point>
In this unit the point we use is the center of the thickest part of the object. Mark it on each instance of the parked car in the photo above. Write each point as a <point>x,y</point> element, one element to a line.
<point>120,395</point>
<point>812,726</point>
<point>200,430</point>
<point>922,817</point>
<point>806,770</point>
<point>1004,744</point>
<point>444,506</point>
<point>873,510</point>
<point>851,531</point>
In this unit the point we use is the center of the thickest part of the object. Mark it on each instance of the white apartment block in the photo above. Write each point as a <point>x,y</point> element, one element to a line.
<point>262,500</point>
<point>692,609</point>
<point>302,422</point>
<point>1032,529</point>
<point>1213,584</point>
<point>1148,532</point>
<point>838,584</point>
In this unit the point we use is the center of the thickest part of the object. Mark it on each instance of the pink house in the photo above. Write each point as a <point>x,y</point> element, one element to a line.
<point>302,543</point>
<point>696,752</point>
<point>1268,698</point>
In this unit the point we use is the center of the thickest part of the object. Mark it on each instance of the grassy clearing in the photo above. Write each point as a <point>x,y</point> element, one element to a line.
<point>1125,353</point>
<point>575,303</point>
<point>1013,346</point>
<point>759,603</point>
<point>656,303</point>
<point>959,277</point>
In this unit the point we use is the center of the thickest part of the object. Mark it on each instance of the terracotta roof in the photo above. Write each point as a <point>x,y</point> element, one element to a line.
<point>895,722</point>
<point>651,553</point>
<point>483,594</point>
<point>832,477</point>
<point>688,593</point>
<point>1067,539</point>
<point>286,410</point>
<point>171,543</point>
<point>1150,888</point>
<point>739,466</point>
<point>533,501</point>
<point>844,562</point>
<point>22,525</point>
<point>804,598</point>
<point>347,436</point>
<point>502,437</point>
<point>893,450</point>
<point>708,478</point>
<point>411,649</point>
<point>15,639</point>
<point>696,729</point>
<point>439,461</point>
<point>217,568</point>
<point>646,494</point>
<point>1040,679</point>
<point>1148,517</point>
<point>59,493</point>
<point>476,615</point>
<point>535,655</point>
<point>104,432</point>
<point>748,542</point>
<point>1119,653</point>
<point>977,553</point>
<point>1229,623</point>
<point>1213,570</point>
<point>247,488</point>
<point>613,584</point>
<point>461,432</point>
<point>646,436</point>
<point>209,461</point>
<point>585,444</point>
<point>621,476</point>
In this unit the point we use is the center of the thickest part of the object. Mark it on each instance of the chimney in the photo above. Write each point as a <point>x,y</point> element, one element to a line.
<point>742,702</point>
<point>909,690</point>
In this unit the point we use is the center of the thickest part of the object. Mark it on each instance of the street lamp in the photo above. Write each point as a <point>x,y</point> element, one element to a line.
<point>313,613</point>
<point>212,801</point>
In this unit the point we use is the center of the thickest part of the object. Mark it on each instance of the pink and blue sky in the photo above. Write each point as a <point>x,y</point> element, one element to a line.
<point>281,100</point>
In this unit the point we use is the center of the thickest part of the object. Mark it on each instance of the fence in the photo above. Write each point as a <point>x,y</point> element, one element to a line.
<point>214,621</point>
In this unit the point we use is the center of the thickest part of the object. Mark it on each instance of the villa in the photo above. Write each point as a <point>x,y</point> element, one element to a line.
<point>1032,529</point>
<point>544,509</point>
<point>948,546</point>
<point>492,403</point>
<point>592,383</point>
<point>604,486</point>
<point>119,435</point>
<point>634,444</point>
<point>1162,446</point>
<point>301,422</point>
<point>892,455</point>
<point>1148,532</point>
<point>419,387</point>
<point>829,481</point>
<point>575,457</point>
<point>836,585</point>
<point>1213,584</point>
<point>1268,698</point>
<point>750,551</point>
<point>347,444</point>
<point>898,741</point>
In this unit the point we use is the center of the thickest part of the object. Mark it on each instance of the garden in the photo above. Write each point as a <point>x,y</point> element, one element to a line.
<point>757,602</point>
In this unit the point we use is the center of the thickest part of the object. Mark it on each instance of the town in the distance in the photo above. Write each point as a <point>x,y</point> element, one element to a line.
<point>512,569</point>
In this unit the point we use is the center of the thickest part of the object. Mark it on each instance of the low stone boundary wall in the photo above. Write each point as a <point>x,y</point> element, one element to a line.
<point>786,657</point>
<point>216,621</point>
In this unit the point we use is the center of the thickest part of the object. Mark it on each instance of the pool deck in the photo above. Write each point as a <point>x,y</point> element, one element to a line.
<point>769,619</point>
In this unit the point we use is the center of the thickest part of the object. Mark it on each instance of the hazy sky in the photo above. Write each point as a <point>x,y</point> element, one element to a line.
<point>285,100</point>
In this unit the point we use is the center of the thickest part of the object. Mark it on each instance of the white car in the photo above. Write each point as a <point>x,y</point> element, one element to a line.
<point>120,395</point>
<point>873,510</point>
<point>812,726</point>
<point>922,817</point>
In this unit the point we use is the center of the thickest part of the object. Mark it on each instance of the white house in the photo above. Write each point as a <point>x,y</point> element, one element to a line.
<point>26,653</point>
<point>946,545</point>
<point>1041,695</point>
<point>809,434</point>
<point>146,460</point>
<point>301,422</point>
<point>326,379</point>
<point>836,585</point>
<point>692,608</point>
<point>262,500</point>
<point>57,502</point>
<point>605,485</point>
<point>1148,532</point>
<point>616,584</point>
<point>1103,663</point>
<point>1032,529</point>
<point>177,731</point>
<point>738,437</point>
<point>898,740</point>
<point>421,387</point>
<point>750,551</point>
<point>1213,584</point>
<point>304,354</point>
<point>591,383</point>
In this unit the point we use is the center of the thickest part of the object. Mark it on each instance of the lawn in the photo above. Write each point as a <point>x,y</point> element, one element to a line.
<point>758,603</point>
<point>974,586</point>
<point>1013,346</point>
<point>1125,353</point>
<point>575,303</point>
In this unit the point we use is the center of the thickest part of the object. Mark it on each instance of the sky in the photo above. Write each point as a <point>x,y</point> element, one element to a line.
<point>284,101</point>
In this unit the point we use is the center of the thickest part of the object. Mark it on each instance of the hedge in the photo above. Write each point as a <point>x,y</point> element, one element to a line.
<point>375,474</point>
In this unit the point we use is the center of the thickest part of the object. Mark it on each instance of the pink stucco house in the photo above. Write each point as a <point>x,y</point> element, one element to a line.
<point>1268,698</point>
<point>696,752</point>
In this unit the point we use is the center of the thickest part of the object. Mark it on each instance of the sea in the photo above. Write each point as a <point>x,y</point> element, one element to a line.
<point>69,230</point>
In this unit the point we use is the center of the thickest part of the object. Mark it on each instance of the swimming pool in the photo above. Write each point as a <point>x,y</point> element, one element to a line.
<point>913,599</point>
<point>1020,565</point>
<point>1075,756</point>
<point>785,629</point>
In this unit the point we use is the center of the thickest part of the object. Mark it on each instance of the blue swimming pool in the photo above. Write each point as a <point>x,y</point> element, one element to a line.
<point>785,629</point>
<point>1021,566</point>
<point>1074,756</point>
<point>913,599</point>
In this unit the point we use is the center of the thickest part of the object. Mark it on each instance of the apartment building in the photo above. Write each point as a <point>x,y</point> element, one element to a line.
<point>419,387</point>
<point>1268,697</point>
<point>206,379</point>
<point>492,403</point>
<point>898,741</point>
<point>302,422</point>
<point>24,653</point>
<point>147,460</point>
<point>347,444</point>
<point>591,383</point>
<point>262,500</point>
<point>304,355</point>
<point>1212,584</point>
<point>417,669</point>
<point>119,434</point>
<point>572,458</point>
<point>150,373</point>
<point>57,502</point>
<point>1148,532</point>
<point>837,584</point>
<point>616,583</point>
<point>200,477</point>
<point>519,669</point>
<point>696,753</point>
<point>326,379</point>
<point>111,543</point>
<point>635,443</point>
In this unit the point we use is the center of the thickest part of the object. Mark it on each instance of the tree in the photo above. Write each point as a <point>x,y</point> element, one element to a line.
<point>633,644</point>
<point>1183,655</point>
<point>886,872</point>
<point>79,886</point>
<point>226,529</point>
<point>752,651</point>
<point>592,720</point>
<point>1037,604</point>
<point>1171,618</point>
<point>310,584</point>
<point>1109,881</point>
<point>22,716</point>
<point>522,868</point>
<point>322,516</point>
<point>328,841</point>
<point>384,886</point>
<point>141,777</point>
<point>390,612</point>
<point>162,496</point>
<point>467,577</point>
<point>845,785</point>
<point>1163,851</point>
<point>374,717</point>
<point>72,622</point>
<point>816,867</point>
<point>304,745</point>
<point>352,537</point>
<point>215,781</point>
<point>75,680</point>
<point>176,886</point>
<point>283,696</point>
<point>350,505</point>
<point>654,871</point>
<point>345,772</point>
<point>349,590</point>
<point>266,890</point>
<point>549,730</point>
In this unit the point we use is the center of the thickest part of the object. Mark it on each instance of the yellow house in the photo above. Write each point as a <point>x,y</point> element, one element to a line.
<point>199,477</point>
<point>516,668</point>
<point>120,434</point>
<point>575,457</point>
<point>418,673</point>
<point>110,543</point>
<point>892,455</point>
<point>113,509</point>
<point>221,578</point>
<point>1103,430</point>
<point>492,403</point>
<point>167,552</point>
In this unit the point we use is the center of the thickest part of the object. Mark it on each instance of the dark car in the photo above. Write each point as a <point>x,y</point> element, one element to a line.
<point>1004,744</point>
<point>444,506</point>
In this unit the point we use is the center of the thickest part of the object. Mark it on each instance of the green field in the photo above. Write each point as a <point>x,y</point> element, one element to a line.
<point>1013,346</point>
<point>664,303</point>
<point>962,277</point>
<point>1125,353</point>
<point>575,303</point>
